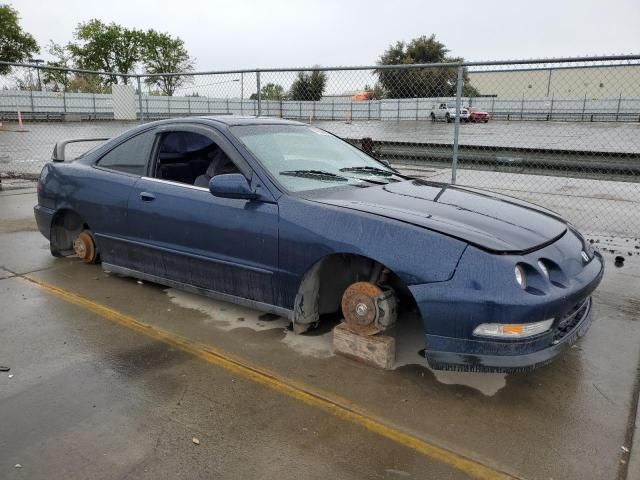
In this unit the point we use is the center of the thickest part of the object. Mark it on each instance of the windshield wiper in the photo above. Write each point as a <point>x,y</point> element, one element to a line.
<point>315,174</point>
<point>372,170</point>
<point>378,172</point>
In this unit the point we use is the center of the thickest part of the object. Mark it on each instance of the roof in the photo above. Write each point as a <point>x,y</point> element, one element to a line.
<point>226,120</point>
<point>232,120</point>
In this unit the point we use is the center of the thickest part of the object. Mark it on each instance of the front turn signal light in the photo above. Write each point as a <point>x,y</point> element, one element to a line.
<point>512,330</point>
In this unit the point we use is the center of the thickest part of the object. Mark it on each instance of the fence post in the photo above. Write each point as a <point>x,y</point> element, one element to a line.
<point>456,126</point>
<point>241,93</point>
<point>64,94</point>
<point>618,109</point>
<point>258,85</point>
<point>140,99</point>
<point>95,113</point>
<point>584,106</point>
<point>31,99</point>
<point>551,109</point>
<point>417,107</point>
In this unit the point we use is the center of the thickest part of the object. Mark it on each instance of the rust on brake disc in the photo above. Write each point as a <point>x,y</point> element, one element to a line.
<point>360,307</point>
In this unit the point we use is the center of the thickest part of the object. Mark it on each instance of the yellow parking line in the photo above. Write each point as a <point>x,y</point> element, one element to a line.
<point>338,407</point>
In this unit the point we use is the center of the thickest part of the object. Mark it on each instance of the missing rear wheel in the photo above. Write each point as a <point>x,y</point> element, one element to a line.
<point>84,247</point>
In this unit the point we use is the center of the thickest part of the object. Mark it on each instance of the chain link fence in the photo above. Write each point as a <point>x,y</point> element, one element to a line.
<point>561,133</point>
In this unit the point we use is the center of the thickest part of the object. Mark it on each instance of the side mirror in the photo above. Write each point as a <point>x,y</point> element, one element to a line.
<point>385,163</point>
<point>231,185</point>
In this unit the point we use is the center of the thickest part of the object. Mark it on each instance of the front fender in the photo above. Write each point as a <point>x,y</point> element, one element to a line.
<point>310,231</point>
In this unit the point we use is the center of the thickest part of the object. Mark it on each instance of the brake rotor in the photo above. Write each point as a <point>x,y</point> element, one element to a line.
<point>84,247</point>
<point>367,308</point>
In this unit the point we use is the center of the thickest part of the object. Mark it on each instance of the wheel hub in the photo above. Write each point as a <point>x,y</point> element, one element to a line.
<point>80,248</point>
<point>361,309</point>
<point>367,308</point>
<point>84,247</point>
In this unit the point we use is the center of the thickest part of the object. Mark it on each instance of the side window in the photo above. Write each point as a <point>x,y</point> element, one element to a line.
<point>130,156</point>
<point>191,158</point>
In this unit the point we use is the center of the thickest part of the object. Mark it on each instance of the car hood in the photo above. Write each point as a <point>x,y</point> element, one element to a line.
<point>490,221</point>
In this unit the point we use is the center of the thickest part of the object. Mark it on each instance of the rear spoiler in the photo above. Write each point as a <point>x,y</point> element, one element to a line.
<point>60,147</point>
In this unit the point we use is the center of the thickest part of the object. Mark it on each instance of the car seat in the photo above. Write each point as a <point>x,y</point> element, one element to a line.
<point>220,164</point>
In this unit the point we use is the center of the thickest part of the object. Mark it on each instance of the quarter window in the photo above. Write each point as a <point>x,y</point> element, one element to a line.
<point>130,156</point>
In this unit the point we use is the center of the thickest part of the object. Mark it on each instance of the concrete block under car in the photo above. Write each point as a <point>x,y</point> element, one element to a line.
<point>375,350</point>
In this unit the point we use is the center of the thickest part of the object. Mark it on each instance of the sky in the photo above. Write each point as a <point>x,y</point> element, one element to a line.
<point>239,34</point>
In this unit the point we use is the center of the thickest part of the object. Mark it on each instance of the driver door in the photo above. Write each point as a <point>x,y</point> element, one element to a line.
<point>185,234</point>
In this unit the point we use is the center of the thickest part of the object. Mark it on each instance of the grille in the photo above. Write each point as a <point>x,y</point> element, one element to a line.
<point>569,321</point>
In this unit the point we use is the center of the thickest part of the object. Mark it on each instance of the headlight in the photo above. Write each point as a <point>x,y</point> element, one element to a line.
<point>543,268</point>
<point>512,330</point>
<point>520,278</point>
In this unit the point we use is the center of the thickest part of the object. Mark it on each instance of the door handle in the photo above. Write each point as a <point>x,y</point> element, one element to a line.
<point>147,197</point>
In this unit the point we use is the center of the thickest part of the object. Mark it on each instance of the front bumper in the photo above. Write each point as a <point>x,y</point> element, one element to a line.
<point>564,334</point>
<point>483,290</point>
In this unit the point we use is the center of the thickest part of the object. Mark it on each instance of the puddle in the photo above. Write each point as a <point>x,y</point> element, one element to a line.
<point>486,383</point>
<point>227,317</point>
<point>409,342</point>
<point>409,338</point>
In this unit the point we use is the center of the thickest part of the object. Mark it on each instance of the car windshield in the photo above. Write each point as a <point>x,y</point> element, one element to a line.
<point>303,158</point>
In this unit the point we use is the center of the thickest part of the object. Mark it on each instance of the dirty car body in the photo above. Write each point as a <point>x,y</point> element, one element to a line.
<point>283,217</point>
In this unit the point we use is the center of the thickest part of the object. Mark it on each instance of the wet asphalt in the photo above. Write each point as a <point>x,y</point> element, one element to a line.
<point>90,398</point>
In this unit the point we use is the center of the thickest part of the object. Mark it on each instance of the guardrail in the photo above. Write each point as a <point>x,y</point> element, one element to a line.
<point>52,106</point>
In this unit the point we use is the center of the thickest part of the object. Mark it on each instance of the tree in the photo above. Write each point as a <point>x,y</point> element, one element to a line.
<point>421,82</point>
<point>108,48</point>
<point>69,81</point>
<point>57,80</point>
<point>16,45</point>
<point>162,53</point>
<point>308,86</point>
<point>272,91</point>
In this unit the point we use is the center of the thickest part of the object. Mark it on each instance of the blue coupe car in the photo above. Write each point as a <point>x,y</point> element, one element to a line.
<point>289,219</point>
